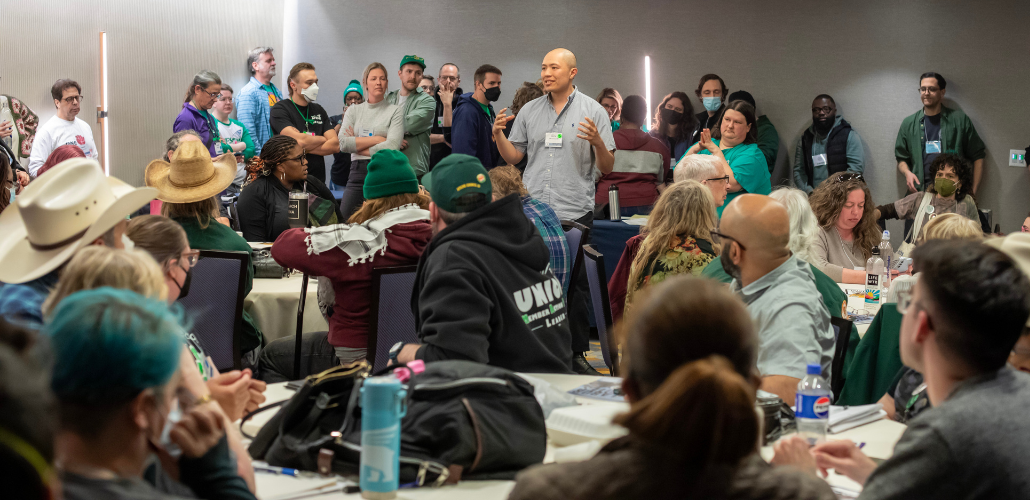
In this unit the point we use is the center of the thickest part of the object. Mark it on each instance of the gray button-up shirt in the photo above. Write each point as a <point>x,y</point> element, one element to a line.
<point>793,324</point>
<point>561,177</point>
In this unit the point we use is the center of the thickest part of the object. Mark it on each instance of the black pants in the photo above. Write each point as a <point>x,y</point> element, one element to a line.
<point>579,311</point>
<point>275,364</point>
<point>353,195</point>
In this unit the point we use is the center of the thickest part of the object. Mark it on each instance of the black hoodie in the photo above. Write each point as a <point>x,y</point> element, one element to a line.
<point>484,292</point>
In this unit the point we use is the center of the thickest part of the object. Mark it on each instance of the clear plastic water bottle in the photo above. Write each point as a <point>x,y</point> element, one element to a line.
<point>887,254</point>
<point>874,269</point>
<point>812,406</point>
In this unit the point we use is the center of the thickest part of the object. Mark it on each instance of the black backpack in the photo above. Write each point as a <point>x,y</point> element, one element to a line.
<point>464,420</point>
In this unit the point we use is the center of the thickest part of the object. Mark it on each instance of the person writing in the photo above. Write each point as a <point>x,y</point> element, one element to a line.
<point>561,168</point>
<point>735,142</point>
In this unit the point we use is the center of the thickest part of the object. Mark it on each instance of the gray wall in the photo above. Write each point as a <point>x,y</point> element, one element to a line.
<point>867,54</point>
<point>154,49</point>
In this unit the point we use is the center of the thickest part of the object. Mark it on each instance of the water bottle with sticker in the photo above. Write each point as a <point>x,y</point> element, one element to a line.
<point>812,406</point>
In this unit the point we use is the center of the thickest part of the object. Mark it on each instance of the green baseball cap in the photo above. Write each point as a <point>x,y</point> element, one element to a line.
<point>455,176</point>
<point>413,60</point>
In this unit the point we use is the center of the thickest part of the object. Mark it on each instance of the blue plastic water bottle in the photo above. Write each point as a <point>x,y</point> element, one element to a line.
<point>382,406</point>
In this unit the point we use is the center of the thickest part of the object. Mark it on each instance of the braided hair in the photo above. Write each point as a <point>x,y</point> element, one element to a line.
<point>274,152</point>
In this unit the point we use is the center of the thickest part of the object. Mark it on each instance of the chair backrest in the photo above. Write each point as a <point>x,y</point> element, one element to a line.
<point>215,305</point>
<point>640,162</point>
<point>598,285</point>
<point>842,335</point>
<point>390,319</point>
<point>576,235</point>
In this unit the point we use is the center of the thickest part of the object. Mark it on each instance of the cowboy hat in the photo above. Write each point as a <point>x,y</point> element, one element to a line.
<point>1017,247</point>
<point>192,175</point>
<point>61,211</point>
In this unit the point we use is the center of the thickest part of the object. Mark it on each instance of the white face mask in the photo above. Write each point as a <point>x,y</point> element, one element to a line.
<point>174,416</point>
<point>128,243</point>
<point>310,93</point>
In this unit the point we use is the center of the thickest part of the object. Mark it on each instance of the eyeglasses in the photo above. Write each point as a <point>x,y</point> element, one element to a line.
<point>850,176</point>
<point>929,90</point>
<point>720,236</point>
<point>221,98</point>
<point>73,99</point>
<point>724,178</point>
<point>190,257</point>
<point>214,95</point>
<point>299,158</point>
<point>824,109</point>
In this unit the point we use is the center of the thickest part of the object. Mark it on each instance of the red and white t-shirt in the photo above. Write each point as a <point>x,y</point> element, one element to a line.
<point>57,132</point>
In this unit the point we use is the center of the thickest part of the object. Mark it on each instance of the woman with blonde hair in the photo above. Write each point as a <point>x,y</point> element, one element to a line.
<point>692,431</point>
<point>803,225</point>
<point>98,266</point>
<point>951,226</point>
<point>677,239</point>
<point>611,101</point>
<point>848,230</point>
<point>368,128</point>
<point>390,229</point>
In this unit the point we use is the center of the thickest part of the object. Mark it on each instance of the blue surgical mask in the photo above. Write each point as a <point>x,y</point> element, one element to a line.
<point>712,103</point>
<point>11,189</point>
<point>174,416</point>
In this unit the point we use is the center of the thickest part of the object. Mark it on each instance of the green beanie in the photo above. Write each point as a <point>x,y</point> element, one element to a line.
<point>353,86</point>
<point>389,173</point>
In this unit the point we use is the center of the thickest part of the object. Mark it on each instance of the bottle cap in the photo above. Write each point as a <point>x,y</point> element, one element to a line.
<point>886,233</point>
<point>814,369</point>
<point>413,368</point>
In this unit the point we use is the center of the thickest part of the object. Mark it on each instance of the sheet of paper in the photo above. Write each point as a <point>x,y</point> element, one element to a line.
<point>605,389</point>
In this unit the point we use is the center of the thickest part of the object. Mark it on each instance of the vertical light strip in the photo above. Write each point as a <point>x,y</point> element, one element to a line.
<point>647,89</point>
<point>103,103</point>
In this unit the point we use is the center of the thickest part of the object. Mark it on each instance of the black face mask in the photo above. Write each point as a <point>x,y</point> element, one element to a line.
<point>727,263</point>
<point>492,94</point>
<point>671,116</point>
<point>184,288</point>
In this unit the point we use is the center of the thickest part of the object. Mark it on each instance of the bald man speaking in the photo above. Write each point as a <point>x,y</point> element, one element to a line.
<point>779,290</point>
<point>566,138</point>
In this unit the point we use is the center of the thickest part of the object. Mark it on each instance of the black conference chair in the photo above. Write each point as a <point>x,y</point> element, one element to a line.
<point>390,319</point>
<point>576,235</point>
<point>594,267</point>
<point>842,334</point>
<point>215,305</point>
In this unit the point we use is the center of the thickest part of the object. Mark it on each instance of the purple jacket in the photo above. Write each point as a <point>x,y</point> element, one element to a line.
<point>193,118</point>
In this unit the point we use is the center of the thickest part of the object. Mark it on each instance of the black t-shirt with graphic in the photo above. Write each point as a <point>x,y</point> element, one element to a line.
<point>286,113</point>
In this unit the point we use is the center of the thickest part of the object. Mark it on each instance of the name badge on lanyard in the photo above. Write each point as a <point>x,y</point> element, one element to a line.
<point>819,160</point>
<point>552,139</point>
<point>439,121</point>
<point>933,146</point>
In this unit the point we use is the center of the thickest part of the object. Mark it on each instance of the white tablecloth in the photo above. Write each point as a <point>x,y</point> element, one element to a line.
<point>273,305</point>
<point>880,438</point>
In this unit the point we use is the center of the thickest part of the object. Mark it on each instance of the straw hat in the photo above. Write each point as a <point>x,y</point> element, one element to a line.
<point>192,175</point>
<point>1017,247</point>
<point>66,208</point>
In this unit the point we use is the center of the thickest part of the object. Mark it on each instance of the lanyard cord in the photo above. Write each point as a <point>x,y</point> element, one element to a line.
<point>846,254</point>
<point>307,121</point>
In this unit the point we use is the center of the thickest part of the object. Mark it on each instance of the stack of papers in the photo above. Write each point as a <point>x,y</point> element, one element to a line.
<point>605,389</point>
<point>635,221</point>
<point>843,418</point>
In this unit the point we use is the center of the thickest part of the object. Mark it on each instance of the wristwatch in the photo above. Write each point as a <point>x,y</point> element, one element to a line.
<point>395,351</point>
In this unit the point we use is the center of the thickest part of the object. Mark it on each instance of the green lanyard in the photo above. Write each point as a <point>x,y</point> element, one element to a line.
<point>307,121</point>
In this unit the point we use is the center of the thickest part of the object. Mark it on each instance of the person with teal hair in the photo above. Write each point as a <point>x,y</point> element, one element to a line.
<point>116,370</point>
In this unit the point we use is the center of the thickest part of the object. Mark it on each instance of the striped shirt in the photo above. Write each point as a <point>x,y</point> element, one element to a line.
<point>253,109</point>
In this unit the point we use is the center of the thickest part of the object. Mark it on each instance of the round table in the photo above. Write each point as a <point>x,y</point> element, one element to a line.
<point>273,304</point>
<point>879,438</point>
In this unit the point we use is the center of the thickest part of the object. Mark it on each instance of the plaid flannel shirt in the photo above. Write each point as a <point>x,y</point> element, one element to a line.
<point>22,305</point>
<point>546,221</point>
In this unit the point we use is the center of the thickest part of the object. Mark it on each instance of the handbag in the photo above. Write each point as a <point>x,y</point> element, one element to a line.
<point>465,420</point>
<point>266,267</point>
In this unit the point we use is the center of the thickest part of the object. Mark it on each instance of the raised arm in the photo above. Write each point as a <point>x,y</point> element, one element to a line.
<point>508,151</point>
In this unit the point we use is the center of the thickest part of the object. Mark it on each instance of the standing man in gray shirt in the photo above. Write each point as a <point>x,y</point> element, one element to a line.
<point>962,318</point>
<point>418,109</point>
<point>779,290</point>
<point>561,169</point>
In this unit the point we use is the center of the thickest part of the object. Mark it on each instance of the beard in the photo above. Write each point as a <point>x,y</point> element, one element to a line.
<point>727,263</point>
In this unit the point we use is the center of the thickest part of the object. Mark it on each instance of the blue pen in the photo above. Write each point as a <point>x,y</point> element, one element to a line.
<point>861,445</point>
<point>277,470</point>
